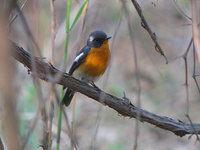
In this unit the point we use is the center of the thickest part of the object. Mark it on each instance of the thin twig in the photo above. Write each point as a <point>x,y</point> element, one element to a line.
<point>186,86</point>
<point>186,75</point>
<point>190,121</point>
<point>194,75</point>
<point>13,19</point>
<point>28,31</point>
<point>146,26</point>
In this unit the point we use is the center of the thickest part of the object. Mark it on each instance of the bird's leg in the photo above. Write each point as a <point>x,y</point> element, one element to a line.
<point>91,83</point>
<point>96,87</point>
<point>84,80</point>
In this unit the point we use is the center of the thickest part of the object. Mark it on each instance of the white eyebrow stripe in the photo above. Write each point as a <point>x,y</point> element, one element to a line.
<point>78,57</point>
<point>91,38</point>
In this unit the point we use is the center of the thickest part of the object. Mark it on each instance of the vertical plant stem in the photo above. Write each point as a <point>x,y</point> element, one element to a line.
<point>51,115</point>
<point>186,75</point>
<point>195,30</point>
<point>51,107</point>
<point>64,64</point>
<point>59,121</point>
<point>186,86</point>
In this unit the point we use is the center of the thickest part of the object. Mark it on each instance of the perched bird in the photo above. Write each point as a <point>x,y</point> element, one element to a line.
<point>91,62</point>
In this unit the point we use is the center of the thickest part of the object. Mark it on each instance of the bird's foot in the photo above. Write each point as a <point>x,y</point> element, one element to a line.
<point>96,87</point>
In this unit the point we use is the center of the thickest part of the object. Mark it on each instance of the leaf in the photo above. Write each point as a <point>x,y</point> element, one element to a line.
<point>78,14</point>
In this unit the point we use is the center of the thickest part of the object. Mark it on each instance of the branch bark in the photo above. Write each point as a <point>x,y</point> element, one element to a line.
<point>49,73</point>
<point>146,26</point>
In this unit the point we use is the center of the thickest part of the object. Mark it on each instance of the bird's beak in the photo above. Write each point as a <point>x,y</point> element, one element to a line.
<point>108,38</point>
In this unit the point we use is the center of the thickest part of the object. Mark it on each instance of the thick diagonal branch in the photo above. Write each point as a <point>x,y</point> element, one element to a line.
<point>47,72</point>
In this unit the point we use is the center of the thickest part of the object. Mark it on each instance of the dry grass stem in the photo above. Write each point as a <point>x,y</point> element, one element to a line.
<point>194,75</point>
<point>195,30</point>
<point>51,107</point>
<point>13,19</point>
<point>7,86</point>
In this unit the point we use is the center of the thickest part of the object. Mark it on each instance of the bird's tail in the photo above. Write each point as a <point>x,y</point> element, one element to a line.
<point>68,97</point>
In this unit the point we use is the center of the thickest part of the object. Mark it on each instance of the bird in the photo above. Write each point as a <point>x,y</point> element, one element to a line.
<point>91,62</point>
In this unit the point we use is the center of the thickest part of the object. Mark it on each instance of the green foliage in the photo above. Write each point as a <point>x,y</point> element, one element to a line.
<point>67,31</point>
<point>59,121</point>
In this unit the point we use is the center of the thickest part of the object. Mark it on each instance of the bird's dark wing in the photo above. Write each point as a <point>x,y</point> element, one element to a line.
<point>79,59</point>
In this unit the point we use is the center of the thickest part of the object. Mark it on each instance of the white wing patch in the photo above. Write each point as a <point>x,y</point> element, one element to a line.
<point>78,57</point>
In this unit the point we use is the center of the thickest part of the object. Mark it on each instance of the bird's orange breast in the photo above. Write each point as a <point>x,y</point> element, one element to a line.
<point>96,61</point>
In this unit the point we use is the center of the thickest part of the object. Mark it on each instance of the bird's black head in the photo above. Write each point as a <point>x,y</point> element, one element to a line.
<point>97,38</point>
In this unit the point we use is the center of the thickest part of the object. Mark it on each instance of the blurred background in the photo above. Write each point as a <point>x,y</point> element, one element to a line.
<point>162,85</point>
